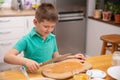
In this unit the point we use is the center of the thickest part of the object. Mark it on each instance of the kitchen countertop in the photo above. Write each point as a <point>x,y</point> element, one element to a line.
<point>7,12</point>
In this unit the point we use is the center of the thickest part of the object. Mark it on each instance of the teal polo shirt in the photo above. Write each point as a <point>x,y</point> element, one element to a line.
<point>36,48</point>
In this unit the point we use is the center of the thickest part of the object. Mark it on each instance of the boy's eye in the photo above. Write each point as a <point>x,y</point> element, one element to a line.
<point>48,26</point>
<point>45,26</point>
<point>52,26</point>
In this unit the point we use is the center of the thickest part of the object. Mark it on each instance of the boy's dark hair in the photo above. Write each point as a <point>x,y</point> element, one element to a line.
<point>46,11</point>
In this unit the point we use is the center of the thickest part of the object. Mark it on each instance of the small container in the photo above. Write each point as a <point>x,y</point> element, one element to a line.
<point>106,15</point>
<point>97,14</point>
<point>116,58</point>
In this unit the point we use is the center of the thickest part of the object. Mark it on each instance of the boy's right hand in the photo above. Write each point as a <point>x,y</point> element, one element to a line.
<point>32,66</point>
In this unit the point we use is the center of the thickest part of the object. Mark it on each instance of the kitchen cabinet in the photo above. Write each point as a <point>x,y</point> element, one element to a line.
<point>94,30</point>
<point>11,29</point>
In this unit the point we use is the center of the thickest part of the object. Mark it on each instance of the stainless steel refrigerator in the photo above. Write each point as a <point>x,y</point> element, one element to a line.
<point>70,30</point>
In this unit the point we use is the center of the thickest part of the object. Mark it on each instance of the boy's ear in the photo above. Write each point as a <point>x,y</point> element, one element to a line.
<point>35,21</point>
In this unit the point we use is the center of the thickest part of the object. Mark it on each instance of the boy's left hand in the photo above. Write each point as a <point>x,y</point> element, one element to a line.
<point>80,56</point>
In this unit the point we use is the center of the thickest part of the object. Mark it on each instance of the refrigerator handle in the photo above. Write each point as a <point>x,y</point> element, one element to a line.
<point>73,18</point>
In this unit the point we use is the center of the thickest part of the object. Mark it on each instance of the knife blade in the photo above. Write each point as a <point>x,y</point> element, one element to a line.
<point>62,57</point>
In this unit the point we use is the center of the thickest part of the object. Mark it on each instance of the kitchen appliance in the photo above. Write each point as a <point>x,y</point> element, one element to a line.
<point>70,30</point>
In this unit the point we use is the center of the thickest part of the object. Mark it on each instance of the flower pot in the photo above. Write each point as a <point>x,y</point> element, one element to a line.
<point>106,15</point>
<point>97,14</point>
<point>117,18</point>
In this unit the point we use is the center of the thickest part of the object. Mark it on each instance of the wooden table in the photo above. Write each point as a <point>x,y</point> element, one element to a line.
<point>99,62</point>
<point>102,62</point>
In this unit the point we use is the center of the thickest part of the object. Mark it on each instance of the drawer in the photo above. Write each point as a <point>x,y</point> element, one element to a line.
<point>6,45</point>
<point>11,33</point>
<point>11,22</point>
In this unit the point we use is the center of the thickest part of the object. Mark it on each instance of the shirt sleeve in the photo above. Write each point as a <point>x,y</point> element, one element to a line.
<point>20,45</point>
<point>55,46</point>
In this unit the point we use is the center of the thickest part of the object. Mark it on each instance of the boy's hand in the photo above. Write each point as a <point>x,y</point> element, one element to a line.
<point>31,65</point>
<point>80,56</point>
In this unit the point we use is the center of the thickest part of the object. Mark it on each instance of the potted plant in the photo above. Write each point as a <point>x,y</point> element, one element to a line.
<point>115,9</point>
<point>116,12</point>
<point>107,12</point>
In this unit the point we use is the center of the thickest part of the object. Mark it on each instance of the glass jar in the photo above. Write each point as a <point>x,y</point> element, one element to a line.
<point>116,58</point>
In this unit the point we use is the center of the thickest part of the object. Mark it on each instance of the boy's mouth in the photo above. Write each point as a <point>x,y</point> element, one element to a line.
<point>46,32</point>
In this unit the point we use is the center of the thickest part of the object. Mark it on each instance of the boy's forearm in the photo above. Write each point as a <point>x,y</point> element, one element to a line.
<point>13,59</point>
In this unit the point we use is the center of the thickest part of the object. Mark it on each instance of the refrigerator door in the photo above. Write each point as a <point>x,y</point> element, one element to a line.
<point>70,33</point>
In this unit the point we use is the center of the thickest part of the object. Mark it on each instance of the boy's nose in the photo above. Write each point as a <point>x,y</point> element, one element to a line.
<point>50,29</point>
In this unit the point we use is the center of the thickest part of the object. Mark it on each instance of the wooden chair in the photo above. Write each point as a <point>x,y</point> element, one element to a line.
<point>111,42</point>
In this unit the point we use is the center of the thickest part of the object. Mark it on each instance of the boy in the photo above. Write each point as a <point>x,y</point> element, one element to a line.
<point>40,44</point>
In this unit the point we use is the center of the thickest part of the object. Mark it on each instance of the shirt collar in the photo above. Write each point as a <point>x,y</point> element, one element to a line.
<point>34,33</point>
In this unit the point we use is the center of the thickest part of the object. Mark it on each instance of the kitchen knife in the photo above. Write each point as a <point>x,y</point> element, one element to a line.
<point>62,57</point>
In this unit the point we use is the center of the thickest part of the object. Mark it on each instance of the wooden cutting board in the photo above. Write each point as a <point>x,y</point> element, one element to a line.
<point>65,69</point>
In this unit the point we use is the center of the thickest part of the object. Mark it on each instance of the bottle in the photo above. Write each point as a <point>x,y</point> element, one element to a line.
<point>35,4</point>
<point>116,58</point>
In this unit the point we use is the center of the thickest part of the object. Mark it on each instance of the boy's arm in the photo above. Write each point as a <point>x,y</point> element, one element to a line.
<point>78,56</point>
<point>12,58</point>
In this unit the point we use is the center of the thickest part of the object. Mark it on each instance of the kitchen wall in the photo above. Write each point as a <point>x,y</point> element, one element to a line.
<point>94,30</point>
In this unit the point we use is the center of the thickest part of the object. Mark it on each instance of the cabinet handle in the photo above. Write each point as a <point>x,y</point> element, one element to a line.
<point>5,32</point>
<point>4,20</point>
<point>5,44</point>
<point>27,23</point>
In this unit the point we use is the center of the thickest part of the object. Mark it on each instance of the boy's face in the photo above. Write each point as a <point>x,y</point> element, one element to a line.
<point>45,27</point>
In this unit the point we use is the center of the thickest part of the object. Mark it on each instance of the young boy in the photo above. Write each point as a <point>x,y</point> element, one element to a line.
<point>40,44</point>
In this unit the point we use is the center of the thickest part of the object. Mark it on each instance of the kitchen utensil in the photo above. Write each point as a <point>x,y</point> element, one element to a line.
<point>65,69</point>
<point>114,72</point>
<point>24,72</point>
<point>96,73</point>
<point>62,57</point>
